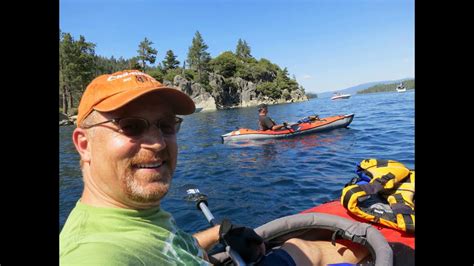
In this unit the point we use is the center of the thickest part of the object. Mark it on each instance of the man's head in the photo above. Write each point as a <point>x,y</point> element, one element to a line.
<point>262,108</point>
<point>126,137</point>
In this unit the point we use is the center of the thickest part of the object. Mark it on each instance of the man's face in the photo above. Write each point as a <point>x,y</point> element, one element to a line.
<point>134,171</point>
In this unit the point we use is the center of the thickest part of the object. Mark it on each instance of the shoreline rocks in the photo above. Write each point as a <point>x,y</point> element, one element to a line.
<point>230,93</point>
<point>65,120</point>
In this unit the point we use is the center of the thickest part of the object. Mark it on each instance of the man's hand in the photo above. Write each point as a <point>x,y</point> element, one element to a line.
<point>243,240</point>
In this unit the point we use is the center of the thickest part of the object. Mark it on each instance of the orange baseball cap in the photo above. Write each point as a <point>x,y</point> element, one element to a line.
<point>110,92</point>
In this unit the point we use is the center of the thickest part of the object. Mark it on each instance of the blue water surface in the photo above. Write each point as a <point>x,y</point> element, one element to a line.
<point>252,183</point>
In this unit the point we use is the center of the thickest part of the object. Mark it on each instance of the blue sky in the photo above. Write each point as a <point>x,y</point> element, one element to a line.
<point>326,44</point>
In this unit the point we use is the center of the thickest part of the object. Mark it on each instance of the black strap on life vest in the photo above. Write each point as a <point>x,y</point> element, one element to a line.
<point>349,194</point>
<point>400,207</point>
<point>385,178</point>
<point>371,188</point>
<point>382,163</point>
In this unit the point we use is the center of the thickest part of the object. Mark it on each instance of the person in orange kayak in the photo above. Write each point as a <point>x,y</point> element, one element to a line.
<point>265,122</point>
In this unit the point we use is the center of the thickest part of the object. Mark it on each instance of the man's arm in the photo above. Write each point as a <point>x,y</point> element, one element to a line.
<point>269,123</point>
<point>208,238</point>
<point>278,127</point>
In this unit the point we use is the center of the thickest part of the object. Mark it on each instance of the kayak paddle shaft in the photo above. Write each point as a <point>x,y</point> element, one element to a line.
<point>195,195</point>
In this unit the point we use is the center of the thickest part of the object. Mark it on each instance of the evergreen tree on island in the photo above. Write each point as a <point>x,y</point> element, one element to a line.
<point>198,58</point>
<point>146,53</point>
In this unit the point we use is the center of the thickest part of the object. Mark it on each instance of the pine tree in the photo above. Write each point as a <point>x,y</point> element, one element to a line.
<point>243,49</point>
<point>170,61</point>
<point>198,57</point>
<point>77,64</point>
<point>146,53</point>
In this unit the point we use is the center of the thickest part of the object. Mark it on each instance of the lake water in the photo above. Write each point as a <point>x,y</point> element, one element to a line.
<point>255,182</point>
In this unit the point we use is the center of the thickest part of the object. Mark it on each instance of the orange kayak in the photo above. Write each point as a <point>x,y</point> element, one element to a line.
<point>318,125</point>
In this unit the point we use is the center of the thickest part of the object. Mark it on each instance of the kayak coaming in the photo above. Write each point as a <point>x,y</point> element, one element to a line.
<point>323,124</point>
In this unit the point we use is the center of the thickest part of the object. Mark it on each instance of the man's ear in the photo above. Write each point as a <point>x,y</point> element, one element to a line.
<point>81,141</point>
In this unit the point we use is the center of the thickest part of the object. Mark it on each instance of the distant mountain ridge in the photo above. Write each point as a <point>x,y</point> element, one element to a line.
<point>355,89</point>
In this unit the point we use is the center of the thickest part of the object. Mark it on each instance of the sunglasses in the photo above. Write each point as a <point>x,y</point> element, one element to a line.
<point>136,127</point>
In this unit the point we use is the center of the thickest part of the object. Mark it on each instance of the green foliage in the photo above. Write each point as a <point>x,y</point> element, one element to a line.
<point>76,68</point>
<point>171,73</point>
<point>189,74</point>
<point>156,73</point>
<point>269,89</point>
<point>409,84</point>
<point>198,58</point>
<point>265,70</point>
<point>243,49</point>
<point>207,87</point>
<point>106,65</point>
<point>146,53</point>
<point>72,111</point>
<point>135,64</point>
<point>170,61</point>
<point>225,64</point>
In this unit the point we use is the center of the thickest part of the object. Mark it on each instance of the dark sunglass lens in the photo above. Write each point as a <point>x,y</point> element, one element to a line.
<point>133,127</point>
<point>169,126</point>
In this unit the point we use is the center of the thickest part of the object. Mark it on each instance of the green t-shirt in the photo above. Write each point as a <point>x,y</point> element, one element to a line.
<point>114,236</point>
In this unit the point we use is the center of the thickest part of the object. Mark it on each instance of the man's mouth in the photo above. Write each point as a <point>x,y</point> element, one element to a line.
<point>149,165</point>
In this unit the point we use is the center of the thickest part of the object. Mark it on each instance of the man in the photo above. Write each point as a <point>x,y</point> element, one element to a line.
<point>126,138</point>
<point>265,122</point>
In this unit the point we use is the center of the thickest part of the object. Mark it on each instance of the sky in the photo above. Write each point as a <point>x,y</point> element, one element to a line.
<point>325,44</point>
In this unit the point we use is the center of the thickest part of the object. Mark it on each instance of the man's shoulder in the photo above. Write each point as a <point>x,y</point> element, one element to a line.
<point>264,118</point>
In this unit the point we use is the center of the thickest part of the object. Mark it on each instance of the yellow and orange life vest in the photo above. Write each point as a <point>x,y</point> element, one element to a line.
<point>388,198</point>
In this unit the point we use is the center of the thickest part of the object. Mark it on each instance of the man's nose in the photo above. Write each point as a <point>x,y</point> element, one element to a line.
<point>154,138</point>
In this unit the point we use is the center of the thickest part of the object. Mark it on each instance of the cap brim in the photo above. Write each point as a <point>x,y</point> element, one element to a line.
<point>181,103</point>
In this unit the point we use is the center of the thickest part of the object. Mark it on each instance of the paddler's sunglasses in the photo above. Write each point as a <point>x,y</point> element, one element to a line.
<point>136,127</point>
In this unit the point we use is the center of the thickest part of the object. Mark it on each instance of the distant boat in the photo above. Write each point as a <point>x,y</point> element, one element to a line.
<point>338,96</point>
<point>401,88</point>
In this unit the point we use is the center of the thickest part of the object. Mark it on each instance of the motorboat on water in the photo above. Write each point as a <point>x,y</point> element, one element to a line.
<point>401,88</point>
<point>339,95</point>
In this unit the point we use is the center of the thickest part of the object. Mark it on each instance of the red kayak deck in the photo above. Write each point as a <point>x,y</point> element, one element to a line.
<point>392,235</point>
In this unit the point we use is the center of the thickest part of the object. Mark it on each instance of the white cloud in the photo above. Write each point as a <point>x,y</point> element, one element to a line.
<point>307,76</point>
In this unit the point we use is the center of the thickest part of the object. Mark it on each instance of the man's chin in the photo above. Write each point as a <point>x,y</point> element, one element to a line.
<point>151,193</point>
<point>147,188</point>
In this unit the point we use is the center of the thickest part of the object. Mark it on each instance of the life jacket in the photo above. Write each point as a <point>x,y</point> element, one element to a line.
<point>308,119</point>
<point>383,192</point>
